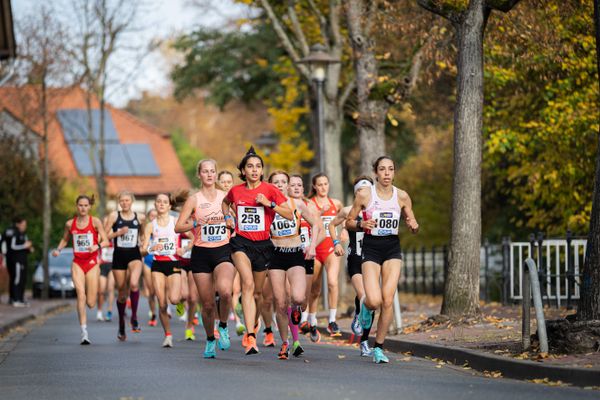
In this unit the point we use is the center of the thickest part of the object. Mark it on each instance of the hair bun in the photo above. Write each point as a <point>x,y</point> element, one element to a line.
<point>251,151</point>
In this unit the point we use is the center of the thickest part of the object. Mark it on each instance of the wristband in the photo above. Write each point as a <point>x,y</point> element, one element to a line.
<point>148,250</point>
<point>336,242</point>
<point>227,217</point>
<point>195,223</point>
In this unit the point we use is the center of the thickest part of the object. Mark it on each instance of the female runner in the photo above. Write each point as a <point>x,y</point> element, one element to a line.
<point>354,263</point>
<point>188,287</point>
<point>124,229</point>
<point>381,207</point>
<point>166,278</point>
<point>328,209</point>
<point>147,277</point>
<point>287,265</point>
<point>106,284</point>
<point>211,264</point>
<point>88,236</point>
<point>254,204</point>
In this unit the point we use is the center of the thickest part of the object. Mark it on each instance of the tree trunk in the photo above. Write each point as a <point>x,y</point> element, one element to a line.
<point>333,149</point>
<point>47,207</point>
<point>589,301</point>
<point>101,176</point>
<point>461,289</point>
<point>371,112</point>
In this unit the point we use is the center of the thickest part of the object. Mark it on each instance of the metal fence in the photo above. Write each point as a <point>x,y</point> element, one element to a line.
<point>559,262</point>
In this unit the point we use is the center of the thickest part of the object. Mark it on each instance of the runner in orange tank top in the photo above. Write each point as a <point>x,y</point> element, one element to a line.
<point>88,237</point>
<point>328,209</point>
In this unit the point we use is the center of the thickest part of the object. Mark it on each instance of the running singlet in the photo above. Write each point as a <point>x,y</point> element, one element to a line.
<point>211,230</point>
<point>166,236</point>
<point>305,231</point>
<point>385,212</point>
<point>328,215</point>
<point>130,239</point>
<point>283,227</point>
<point>253,219</point>
<point>83,239</point>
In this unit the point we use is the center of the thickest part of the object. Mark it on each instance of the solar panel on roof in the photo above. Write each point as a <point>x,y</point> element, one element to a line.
<point>75,125</point>
<point>115,164</point>
<point>142,159</point>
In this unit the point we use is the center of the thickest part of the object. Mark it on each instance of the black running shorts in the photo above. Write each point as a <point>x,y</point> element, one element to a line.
<point>354,265</point>
<point>259,253</point>
<point>166,268</point>
<point>379,249</point>
<point>285,258</point>
<point>122,257</point>
<point>206,259</point>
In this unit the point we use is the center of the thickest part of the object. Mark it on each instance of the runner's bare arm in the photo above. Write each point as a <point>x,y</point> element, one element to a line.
<point>103,242</point>
<point>112,218</point>
<point>147,235</point>
<point>360,201</point>
<point>406,207</point>
<point>184,223</point>
<point>226,208</point>
<point>64,240</point>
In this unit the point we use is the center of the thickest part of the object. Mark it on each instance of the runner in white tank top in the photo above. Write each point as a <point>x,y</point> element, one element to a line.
<point>382,208</point>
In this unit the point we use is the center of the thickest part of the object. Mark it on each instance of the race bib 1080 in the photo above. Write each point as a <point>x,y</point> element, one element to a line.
<point>251,219</point>
<point>387,223</point>
<point>211,233</point>
<point>82,242</point>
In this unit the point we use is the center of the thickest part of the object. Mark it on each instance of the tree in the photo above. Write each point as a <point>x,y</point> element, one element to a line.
<point>589,301</point>
<point>461,288</point>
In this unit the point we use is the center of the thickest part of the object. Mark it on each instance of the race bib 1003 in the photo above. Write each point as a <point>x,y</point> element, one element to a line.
<point>387,223</point>
<point>305,237</point>
<point>282,227</point>
<point>129,240</point>
<point>82,242</point>
<point>168,246</point>
<point>211,233</point>
<point>251,219</point>
<point>326,221</point>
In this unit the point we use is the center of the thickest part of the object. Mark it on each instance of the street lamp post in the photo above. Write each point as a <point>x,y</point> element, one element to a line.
<point>267,141</point>
<point>318,60</point>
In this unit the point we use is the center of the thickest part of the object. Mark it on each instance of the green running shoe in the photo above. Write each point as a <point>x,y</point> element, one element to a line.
<point>364,317</point>
<point>240,329</point>
<point>189,334</point>
<point>297,349</point>
<point>180,309</point>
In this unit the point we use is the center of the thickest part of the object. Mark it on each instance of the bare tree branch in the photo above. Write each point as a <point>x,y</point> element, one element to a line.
<point>435,7</point>
<point>346,92</point>
<point>322,21</point>
<point>285,40</point>
<point>372,6</point>
<point>296,28</point>
<point>334,19</point>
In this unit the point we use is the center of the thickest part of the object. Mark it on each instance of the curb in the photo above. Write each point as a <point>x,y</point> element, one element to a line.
<point>510,368</point>
<point>31,316</point>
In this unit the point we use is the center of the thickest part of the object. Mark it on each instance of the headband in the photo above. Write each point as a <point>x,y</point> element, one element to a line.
<point>362,183</point>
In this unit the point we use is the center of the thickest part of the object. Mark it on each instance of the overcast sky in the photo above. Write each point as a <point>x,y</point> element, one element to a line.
<point>159,19</point>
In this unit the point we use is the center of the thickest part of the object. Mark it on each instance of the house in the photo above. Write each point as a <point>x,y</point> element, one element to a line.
<point>138,157</point>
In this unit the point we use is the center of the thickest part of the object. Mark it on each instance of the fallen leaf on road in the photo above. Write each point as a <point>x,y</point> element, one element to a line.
<point>406,359</point>
<point>341,356</point>
<point>438,366</point>
<point>306,361</point>
<point>588,366</point>
<point>433,336</point>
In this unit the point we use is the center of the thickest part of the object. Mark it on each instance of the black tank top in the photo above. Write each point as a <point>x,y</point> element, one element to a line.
<point>129,240</point>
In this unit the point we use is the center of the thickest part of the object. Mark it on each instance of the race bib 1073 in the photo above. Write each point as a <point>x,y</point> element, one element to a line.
<point>211,233</point>
<point>251,219</point>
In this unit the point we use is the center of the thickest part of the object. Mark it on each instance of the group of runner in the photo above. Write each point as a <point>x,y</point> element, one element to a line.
<point>263,240</point>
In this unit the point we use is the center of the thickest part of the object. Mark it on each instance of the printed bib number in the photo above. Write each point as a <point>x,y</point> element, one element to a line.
<point>107,254</point>
<point>213,232</point>
<point>359,242</point>
<point>82,242</point>
<point>387,223</point>
<point>305,237</point>
<point>184,244</point>
<point>326,221</point>
<point>129,240</point>
<point>282,227</point>
<point>168,247</point>
<point>251,219</point>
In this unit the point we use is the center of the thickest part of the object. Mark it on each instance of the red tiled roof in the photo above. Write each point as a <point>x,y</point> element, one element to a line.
<point>23,104</point>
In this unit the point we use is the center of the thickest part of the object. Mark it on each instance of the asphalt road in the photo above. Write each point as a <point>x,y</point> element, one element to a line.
<point>48,363</point>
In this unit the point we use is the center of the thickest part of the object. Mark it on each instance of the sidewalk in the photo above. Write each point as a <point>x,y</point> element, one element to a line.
<point>490,344</point>
<point>11,317</point>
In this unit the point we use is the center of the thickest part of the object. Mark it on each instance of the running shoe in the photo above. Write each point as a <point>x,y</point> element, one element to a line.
<point>180,309</point>
<point>152,321</point>
<point>108,316</point>
<point>334,329</point>
<point>135,326</point>
<point>379,357</point>
<point>304,327</point>
<point>296,315</point>
<point>245,340</point>
<point>184,317</point>
<point>224,341</point>
<point>238,310</point>
<point>284,352</point>
<point>251,348</point>
<point>168,342</point>
<point>189,334</point>
<point>269,340</point>
<point>99,316</point>
<point>365,317</point>
<point>121,335</point>
<point>210,349</point>
<point>297,349</point>
<point>85,340</point>
<point>240,328</point>
<point>196,321</point>
<point>315,335</point>
<point>365,350</point>
<point>216,333</point>
<point>356,326</point>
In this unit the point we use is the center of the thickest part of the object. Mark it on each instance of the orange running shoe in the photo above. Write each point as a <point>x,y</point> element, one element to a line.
<point>251,348</point>
<point>284,352</point>
<point>304,327</point>
<point>269,340</point>
<point>216,333</point>
<point>245,340</point>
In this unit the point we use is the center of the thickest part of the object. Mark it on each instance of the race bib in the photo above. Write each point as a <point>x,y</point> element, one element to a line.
<point>305,237</point>
<point>251,219</point>
<point>387,223</point>
<point>129,240</point>
<point>184,244</point>
<point>169,247</point>
<point>359,242</point>
<point>213,232</point>
<point>82,242</point>
<point>326,221</point>
<point>282,227</point>
<point>107,254</point>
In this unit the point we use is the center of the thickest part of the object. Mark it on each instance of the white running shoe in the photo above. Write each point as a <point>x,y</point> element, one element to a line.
<point>84,338</point>
<point>168,342</point>
<point>365,350</point>
<point>99,316</point>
